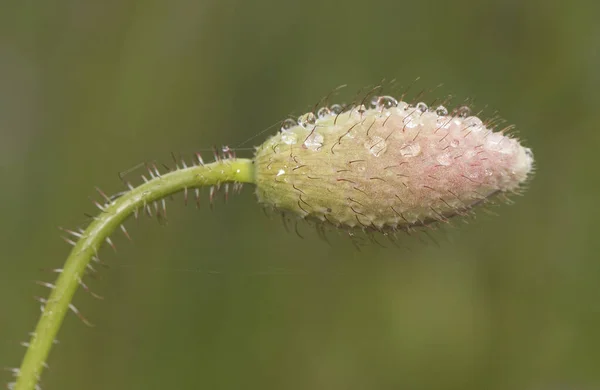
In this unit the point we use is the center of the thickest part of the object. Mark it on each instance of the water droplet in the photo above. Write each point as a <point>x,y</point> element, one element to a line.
<point>443,122</point>
<point>488,172</point>
<point>314,141</point>
<point>307,120</point>
<point>383,102</point>
<point>402,106</point>
<point>361,109</point>
<point>280,172</point>
<point>336,109</point>
<point>411,120</point>
<point>462,112</point>
<point>376,146</point>
<point>428,120</point>
<point>410,149</point>
<point>323,112</point>
<point>454,143</point>
<point>529,153</point>
<point>289,137</point>
<point>288,124</point>
<point>374,100</point>
<point>458,122</point>
<point>473,123</point>
<point>441,111</point>
<point>422,107</point>
<point>444,159</point>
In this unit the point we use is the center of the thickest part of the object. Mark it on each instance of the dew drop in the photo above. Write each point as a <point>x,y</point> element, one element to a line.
<point>488,172</point>
<point>444,159</point>
<point>323,112</point>
<point>288,124</point>
<point>361,109</point>
<point>376,146</point>
<point>443,123</point>
<point>289,137</point>
<point>441,111</point>
<point>410,149</point>
<point>402,106</point>
<point>529,153</point>
<point>429,120</point>
<point>374,100</point>
<point>473,123</point>
<point>383,102</point>
<point>307,120</point>
<point>411,120</point>
<point>454,143</point>
<point>314,141</point>
<point>336,109</point>
<point>422,107</point>
<point>280,172</point>
<point>462,112</point>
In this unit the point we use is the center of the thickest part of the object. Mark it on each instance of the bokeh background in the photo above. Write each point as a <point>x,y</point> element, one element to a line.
<point>228,299</point>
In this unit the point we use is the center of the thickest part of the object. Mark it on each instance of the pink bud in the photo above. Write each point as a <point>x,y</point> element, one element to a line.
<point>388,167</point>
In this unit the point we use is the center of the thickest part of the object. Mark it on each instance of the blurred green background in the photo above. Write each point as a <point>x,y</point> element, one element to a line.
<point>227,299</point>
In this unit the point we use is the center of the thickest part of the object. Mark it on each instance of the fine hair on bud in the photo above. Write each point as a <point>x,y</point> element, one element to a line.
<point>387,166</point>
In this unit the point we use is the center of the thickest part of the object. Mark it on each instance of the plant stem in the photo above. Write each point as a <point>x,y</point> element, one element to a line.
<point>57,305</point>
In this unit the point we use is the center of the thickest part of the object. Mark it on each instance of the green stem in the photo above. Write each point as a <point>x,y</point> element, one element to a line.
<point>57,305</point>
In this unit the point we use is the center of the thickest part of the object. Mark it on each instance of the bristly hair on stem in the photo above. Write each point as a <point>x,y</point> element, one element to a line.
<point>88,242</point>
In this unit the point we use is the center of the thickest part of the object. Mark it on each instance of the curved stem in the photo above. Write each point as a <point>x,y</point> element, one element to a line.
<point>57,305</point>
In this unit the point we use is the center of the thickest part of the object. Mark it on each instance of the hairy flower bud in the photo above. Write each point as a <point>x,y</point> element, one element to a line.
<point>391,166</point>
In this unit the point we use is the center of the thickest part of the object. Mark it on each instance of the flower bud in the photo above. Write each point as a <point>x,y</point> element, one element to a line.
<point>388,167</point>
